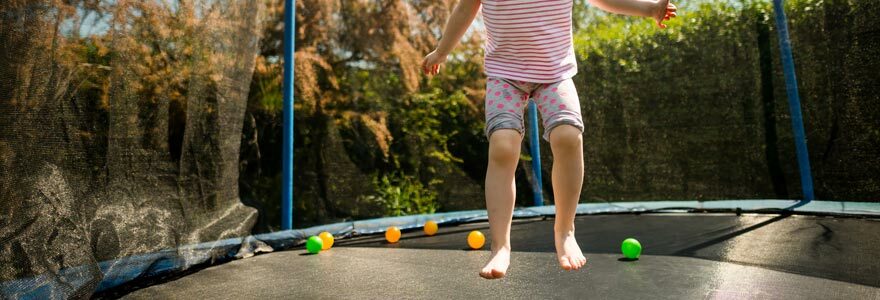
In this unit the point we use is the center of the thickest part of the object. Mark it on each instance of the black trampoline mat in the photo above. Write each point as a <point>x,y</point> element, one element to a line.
<point>685,257</point>
<point>843,249</point>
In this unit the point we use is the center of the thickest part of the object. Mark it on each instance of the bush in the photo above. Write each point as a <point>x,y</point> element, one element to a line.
<point>400,194</point>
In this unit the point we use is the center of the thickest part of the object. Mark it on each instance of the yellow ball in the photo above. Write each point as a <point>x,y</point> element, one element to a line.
<point>392,235</point>
<point>476,239</point>
<point>327,238</point>
<point>431,228</point>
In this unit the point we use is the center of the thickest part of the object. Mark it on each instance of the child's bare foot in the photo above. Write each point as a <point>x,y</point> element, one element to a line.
<point>497,265</point>
<point>568,252</point>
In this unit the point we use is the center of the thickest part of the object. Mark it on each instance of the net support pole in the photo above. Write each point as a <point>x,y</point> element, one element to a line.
<point>535,150</point>
<point>287,151</point>
<point>794,102</point>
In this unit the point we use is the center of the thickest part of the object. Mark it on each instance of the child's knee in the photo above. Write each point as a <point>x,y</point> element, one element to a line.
<point>504,145</point>
<point>566,136</point>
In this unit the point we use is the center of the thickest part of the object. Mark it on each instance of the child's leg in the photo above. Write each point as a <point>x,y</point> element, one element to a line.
<point>505,101</point>
<point>568,176</point>
<point>504,150</point>
<point>560,108</point>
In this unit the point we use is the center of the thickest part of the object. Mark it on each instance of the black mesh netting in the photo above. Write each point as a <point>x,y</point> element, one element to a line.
<point>120,126</point>
<point>700,111</point>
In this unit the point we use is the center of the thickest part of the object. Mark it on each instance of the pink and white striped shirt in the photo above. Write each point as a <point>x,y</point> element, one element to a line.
<point>529,40</point>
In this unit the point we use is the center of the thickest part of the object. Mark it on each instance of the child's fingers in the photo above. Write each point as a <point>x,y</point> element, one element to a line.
<point>660,24</point>
<point>670,13</point>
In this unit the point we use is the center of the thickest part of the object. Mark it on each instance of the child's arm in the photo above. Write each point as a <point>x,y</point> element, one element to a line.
<point>660,10</point>
<point>462,17</point>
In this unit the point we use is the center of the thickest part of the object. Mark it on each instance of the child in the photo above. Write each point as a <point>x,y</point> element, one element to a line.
<point>529,55</point>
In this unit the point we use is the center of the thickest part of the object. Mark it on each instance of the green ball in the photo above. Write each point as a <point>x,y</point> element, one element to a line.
<point>314,244</point>
<point>631,248</point>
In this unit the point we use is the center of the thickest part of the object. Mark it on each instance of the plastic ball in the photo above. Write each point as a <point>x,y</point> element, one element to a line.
<point>631,248</point>
<point>392,235</point>
<point>431,228</point>
<point>314,244</point>
<point>327,240</point>
<point>476,239</point>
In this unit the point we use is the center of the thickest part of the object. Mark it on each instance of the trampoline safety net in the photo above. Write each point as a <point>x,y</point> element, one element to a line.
<point>120,132</point>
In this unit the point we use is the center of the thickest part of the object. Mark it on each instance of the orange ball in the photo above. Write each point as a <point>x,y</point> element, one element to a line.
<point>476,239</point>
<point>431,228</point>
<point>392,235</point>
<point>327,238</point>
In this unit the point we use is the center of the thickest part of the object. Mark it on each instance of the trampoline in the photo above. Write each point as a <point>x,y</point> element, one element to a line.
<point>686,256</point>
<point>147,152</point>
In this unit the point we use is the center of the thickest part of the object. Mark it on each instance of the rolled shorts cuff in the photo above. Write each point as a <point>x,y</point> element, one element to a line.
<point>492,127</point>
<point>576,122</point>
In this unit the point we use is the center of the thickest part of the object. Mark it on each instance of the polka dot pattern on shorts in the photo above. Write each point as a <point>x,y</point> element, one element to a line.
<point>506,101</point>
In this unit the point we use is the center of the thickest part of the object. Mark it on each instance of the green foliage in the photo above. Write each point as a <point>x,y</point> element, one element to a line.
<point>699,110</point>
<point>429,119</point>
<point>426,127</point>
<point>267,87</point>
<point>661,105</point>
<point>400,194</point>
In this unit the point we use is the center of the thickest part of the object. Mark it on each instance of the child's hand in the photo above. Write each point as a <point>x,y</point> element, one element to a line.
<point>431,63</point>
<point>664,11</point>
